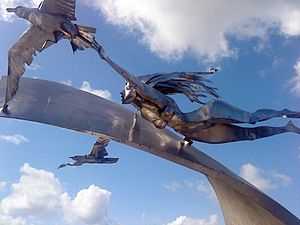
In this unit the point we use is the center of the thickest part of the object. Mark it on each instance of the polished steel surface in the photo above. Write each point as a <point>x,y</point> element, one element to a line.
<point>63,106</point>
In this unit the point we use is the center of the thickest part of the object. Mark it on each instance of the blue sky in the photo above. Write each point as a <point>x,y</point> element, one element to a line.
<point>256,45</point>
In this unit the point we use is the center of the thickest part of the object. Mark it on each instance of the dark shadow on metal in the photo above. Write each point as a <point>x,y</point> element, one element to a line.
<point>63,106</point>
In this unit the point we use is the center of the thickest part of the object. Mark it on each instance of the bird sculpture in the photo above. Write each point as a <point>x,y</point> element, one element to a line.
<point>50,23</point>
<point>96,156</point>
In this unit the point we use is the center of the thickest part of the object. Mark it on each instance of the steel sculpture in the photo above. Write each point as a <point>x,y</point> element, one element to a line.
<point>214,122</point>
<point>63,106</point>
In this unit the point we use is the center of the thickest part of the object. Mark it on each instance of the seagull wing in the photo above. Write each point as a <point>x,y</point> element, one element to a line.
<point>21,53</point>
<point>59,7</point>
<point>99,146</point>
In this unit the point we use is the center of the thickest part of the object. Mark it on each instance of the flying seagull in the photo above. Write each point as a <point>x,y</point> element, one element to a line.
<point>50,22</point>
<point>96,156</point>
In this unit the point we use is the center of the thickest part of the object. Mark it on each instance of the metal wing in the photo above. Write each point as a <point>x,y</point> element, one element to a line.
<point>59,7</point>
<point>193,85</point>
<point>99,147</point>
<point>21,53</point>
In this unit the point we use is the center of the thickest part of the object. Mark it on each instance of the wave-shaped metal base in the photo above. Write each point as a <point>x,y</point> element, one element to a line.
<point>63,106</point>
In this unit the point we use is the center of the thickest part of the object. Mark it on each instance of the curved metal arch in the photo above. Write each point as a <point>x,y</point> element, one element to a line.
<point>63,106</point>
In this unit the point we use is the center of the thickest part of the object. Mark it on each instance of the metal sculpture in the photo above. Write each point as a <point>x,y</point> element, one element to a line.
<point>96,156</point>
<point>50,22</point>
<point>214,122</point>
<point>42,101</point>
<point>63,106</point>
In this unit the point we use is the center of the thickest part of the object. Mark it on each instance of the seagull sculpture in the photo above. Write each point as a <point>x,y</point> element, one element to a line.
<point>96,156</point>
<point>50,22</point>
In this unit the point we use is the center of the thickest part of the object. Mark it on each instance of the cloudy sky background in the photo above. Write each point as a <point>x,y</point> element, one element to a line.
<point>256,45</point>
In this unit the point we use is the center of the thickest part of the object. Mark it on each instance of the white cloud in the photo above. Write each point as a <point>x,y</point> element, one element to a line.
<point>38,198</point>
<point>173,186</point>
<point>256,177</point>
<point>36,193</point>
<point>13,3</point>
<point>199,186</point>
<point>33,66</point>
<point>264,180</point>
<point>16,139</point>
<point>183,220</point>
<point>172,28</point>
<point>86,86</point>
<point>3,185</point>
<point>295,82</point>
<point>81,210</point>
<point>8,220</point>
<point>67,82</point>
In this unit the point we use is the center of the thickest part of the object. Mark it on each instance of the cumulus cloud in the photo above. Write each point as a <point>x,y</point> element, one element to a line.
<point>38,198</point>
<point>264,180</point>
<point>172,28</point>
<point>36,193</point>
<point>81,210</point>
<point>16,139</point>
<point>183,220</point>
<point>86,86</point>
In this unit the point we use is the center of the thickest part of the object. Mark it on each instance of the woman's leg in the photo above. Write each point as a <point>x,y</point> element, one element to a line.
<point>223,112</point>
<point>224,133</point>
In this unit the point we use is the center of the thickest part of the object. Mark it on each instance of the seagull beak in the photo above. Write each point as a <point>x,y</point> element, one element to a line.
<point>11,10</point>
